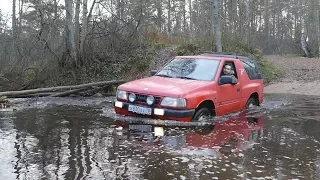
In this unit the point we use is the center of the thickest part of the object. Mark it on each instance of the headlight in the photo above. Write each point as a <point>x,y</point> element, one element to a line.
<point>122,94</point>
<point>150,100</point>
<point>173,102</point>
<point>132,97</point>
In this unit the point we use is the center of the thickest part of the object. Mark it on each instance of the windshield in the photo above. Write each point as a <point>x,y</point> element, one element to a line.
<point>190,68</point>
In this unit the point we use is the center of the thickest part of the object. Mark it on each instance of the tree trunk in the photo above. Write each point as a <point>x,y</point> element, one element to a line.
<point>318,26</point>
<point>83,31</point>
<point>279,14</point>
<point>120,9</point>
<point>14,46</point>
<point>77,28</point>
<point>184,17</point>
<point>55,18</point>
<point>240,23</point>
<point>21,3</point>
<point>177,17</point>
<point>159,14</point>
<point>217,33</point>
<point>266,20</point>
<point>248,20</point>
<point>190,18</point>
<point>14,21</point>
<point>70,43</point>
<point>234,14</point>
<point>304,45</point>
<point>169,16</point>
<point>55,3</point>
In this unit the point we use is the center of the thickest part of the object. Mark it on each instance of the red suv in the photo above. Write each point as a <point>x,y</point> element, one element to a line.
<point>193,88</point>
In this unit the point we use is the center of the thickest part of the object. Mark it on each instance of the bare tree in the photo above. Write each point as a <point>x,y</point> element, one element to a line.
<point>266,19</point>
<point>190,17</point>
<point>169,16</point>
<point>84,29</point>
<point>217,31</point>
<point>115,34</point>
<point>14,20</point>
<point>77,28</point>
<point>159,14</point>
<point>318,25</point>
<point>70,34</point>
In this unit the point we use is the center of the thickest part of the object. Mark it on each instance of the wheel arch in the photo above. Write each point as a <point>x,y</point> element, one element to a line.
<point>254,95</point>
<point>208,104</point>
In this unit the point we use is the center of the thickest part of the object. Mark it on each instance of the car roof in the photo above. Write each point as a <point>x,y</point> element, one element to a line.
<point>222,55</point>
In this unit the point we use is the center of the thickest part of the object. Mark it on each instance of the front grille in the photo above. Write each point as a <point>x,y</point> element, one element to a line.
<point>140,98</point>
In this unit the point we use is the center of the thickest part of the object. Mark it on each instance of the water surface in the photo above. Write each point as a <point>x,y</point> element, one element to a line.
<point>77,138</point>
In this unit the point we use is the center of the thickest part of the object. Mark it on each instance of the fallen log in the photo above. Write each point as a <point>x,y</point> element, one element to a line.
<point>31,95</point>
<point>67,93</point>
<point>60,88</point>
<point>92,91</point>
<point>109,94</point>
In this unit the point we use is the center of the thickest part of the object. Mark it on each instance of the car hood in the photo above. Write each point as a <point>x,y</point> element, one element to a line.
<point>174,87</point>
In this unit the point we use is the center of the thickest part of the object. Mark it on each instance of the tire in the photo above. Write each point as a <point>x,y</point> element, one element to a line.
<point>202,114</point>
<point>252,102</point>
<point>204,130</point>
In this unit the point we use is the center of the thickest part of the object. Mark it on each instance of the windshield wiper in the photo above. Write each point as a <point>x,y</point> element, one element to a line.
<point>164,75</point>
<point>185,77</point>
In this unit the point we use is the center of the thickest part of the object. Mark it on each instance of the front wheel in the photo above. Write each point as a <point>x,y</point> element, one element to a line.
<point>202,114</point>
<point>252,102</point>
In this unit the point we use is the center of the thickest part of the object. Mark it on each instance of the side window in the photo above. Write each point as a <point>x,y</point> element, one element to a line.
<point>252,69</point>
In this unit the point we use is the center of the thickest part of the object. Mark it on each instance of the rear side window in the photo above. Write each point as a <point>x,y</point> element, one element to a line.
<point>252,69</point>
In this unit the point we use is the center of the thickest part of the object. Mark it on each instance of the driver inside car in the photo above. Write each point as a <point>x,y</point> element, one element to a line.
<point>227,71</point>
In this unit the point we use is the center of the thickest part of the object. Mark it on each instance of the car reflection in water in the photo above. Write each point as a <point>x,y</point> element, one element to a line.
<point>221,139</point>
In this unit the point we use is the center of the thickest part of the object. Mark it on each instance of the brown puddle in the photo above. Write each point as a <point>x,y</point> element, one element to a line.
<point>76,138</point>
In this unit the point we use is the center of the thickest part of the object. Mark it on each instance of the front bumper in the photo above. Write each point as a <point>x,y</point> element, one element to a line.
<point>168,114</point>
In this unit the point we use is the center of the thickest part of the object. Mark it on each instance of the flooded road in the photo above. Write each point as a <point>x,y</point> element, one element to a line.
<point>78,139</point>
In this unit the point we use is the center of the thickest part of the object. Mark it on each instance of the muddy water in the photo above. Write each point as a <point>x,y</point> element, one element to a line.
<point>77,139</point>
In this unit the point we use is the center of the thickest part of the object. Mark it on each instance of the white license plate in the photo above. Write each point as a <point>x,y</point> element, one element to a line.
<point>139,109</point>
<point>140,128</point>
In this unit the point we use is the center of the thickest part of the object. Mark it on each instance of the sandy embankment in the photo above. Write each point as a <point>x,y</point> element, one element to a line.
<point>301,75</point>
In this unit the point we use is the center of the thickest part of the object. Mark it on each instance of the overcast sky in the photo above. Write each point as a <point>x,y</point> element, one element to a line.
<point>5,6</point>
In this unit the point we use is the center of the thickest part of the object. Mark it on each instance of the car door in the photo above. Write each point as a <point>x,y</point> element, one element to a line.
<point>229,95</point>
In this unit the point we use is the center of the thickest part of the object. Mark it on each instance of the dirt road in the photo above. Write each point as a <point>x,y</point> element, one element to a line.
<point>301,75</point>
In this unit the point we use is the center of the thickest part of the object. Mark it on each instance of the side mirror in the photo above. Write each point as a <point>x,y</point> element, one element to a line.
<point>153,72</point>
<point>234,80</point>
<point>259,76</point>
<point>228,80</point>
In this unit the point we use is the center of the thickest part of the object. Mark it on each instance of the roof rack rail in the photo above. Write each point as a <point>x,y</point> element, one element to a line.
<point>219,54</point>
<point>225,54</point>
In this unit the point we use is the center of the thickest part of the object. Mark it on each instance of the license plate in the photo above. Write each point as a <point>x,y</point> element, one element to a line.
<point>140,128</point>
<point>139,110</point>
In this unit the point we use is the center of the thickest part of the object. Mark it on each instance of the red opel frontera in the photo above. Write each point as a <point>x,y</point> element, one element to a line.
<point>193,88</point>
